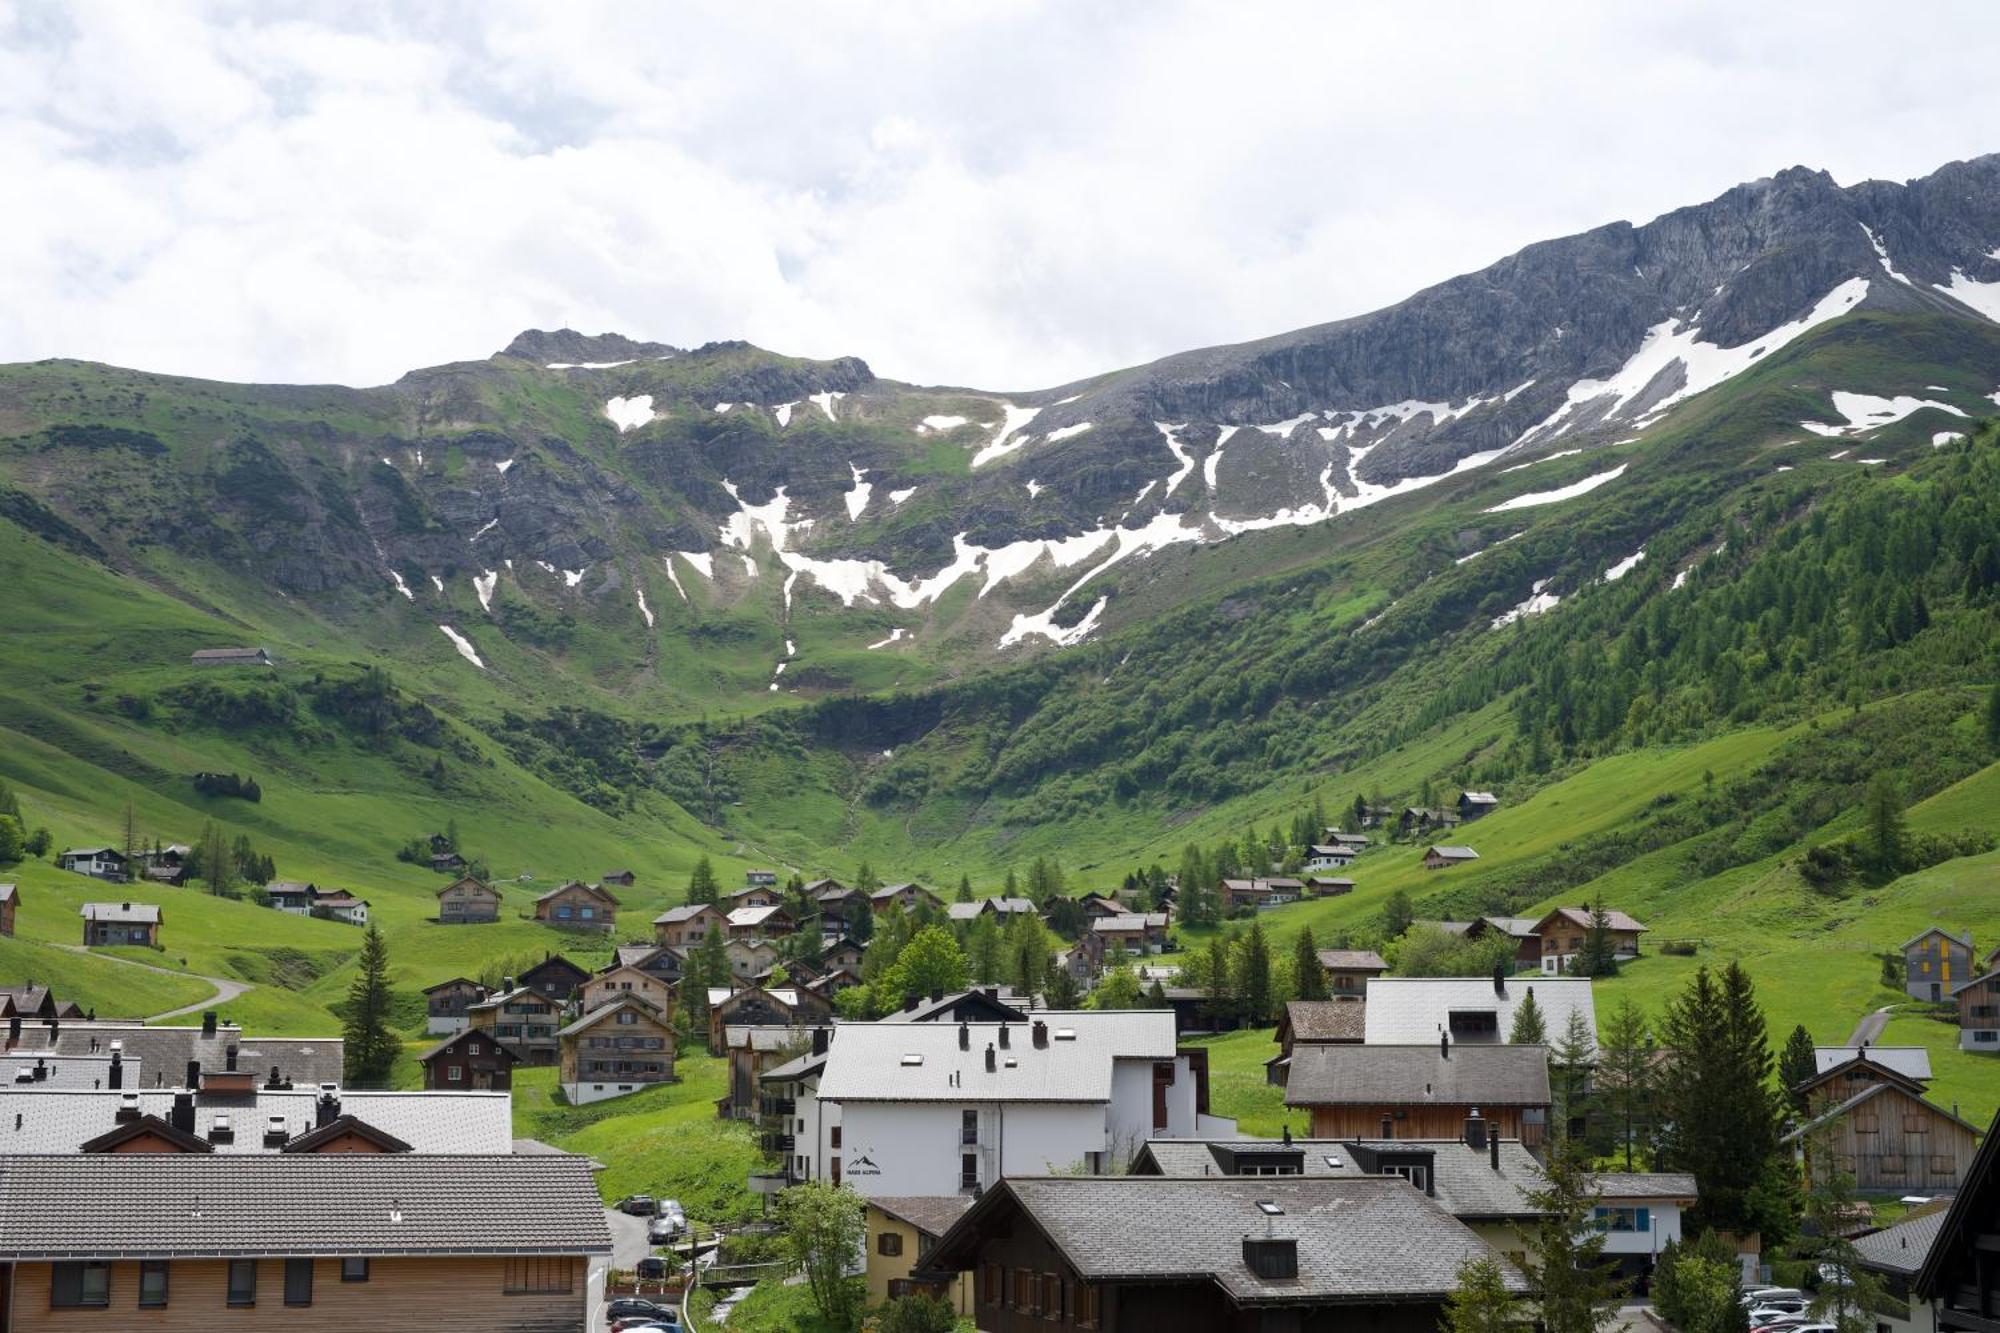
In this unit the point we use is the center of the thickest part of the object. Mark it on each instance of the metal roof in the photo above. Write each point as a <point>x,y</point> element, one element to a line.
<point>922,1062</point>
<point>430,1122</point>
<point>1463,1176</point>
<point>1406,1010</point>
<point>1910,1061</point>
<point>173,1205</point>
<point>144,914</point>
<point>165,1051</point>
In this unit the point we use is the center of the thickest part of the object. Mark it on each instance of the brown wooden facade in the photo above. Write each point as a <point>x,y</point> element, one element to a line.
<point>526,1021</point>
<point>10,898</point>
<point>1526,1123</point>
<point>448,1000</point>
<point>1896,1141</point>
<point>624,1042</point>
<point>578,906</point>
<point>468,901</point>
<point>691,930</point>
<point>472,1061</point>
<point>1978,1003</point>
<point>605,987</point>
<point>439,1294</point>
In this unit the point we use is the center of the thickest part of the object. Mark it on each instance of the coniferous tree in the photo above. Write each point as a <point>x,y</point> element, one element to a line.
<point>1060,991</point>
<point>861,921</point>
<point>1217,981</point>
<point>1571,1057</point>
<point>1575,1291</point>
<point>1254,975</point>
<point>964,889</point>
<point>1397,914</point>
<point>707,965</point>
<point>1480,1302</point>
<point>1888,833</point>
<point>1848,1300</point>
<point>1796,1064</point>
<point>1598,955</point>
<point>1156,996</point>
<point>1529,1028</point>
<point>1993,718</point>
<point>1719,1116</point>
<point>1625,1073</point>
<point>13,845</point>
<point>983,950</point>
<point>1031,965</point>
<point>371,1044</point>
<point>1308,973</point>
<point>702,887</point>
<point>865,880</point>
<point>216,862</point>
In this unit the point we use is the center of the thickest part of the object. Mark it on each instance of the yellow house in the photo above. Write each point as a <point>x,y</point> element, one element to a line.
<point>901,1231</point>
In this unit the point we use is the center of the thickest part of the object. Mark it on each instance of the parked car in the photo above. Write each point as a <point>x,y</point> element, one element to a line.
<point>638,1307</point>
<point>1783,1312</point>
<point>648,1325</point>
<point>1755,1296</point>
<point>639,1205</point>
<point>665,1227</point>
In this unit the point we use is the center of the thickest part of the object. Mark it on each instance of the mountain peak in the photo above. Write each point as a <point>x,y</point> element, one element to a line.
<point>567,345</point>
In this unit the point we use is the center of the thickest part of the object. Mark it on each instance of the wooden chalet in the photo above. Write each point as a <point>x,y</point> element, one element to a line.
<point>1421,1092</point>
<point>757,1006</point>
<point>10,899</point>
<point>905,896</point>
<point>1476,805</point>
<point>688,925</point>
<point>1445,857</point>
<point>624,879</point>
<point>761,923</point>
<point>578,906</point>
<point>105,863</point>
<point>555,976</point>
<point>1523,930</point>
<point>1417,821</point>
<point>1328,886</point>
<point>1314,1022</point>
<point>120,923</point>
<point>660,961</point>
<point>1958,1277</point>
<point>1937,962</point>
<point>523,1019</point>
<point>471,1061</point>
<point>467,901</point>
<point>617,982</point>
<point>1563,931</point>
<point>616,1048</point>
<point>445,1003</point>
<point>1882,1131</point>
<point>1348,970</point>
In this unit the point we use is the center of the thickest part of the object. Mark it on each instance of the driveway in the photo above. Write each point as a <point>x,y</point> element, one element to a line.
<point>225,989</point>
<point>1870,1027</point>
<point>628,1238</point>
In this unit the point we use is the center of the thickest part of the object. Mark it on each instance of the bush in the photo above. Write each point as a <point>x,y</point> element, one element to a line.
<point>919,1312</point>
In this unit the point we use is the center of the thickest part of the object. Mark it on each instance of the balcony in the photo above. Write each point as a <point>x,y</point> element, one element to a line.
<point>776,1142</point>
<point>780,1106</point>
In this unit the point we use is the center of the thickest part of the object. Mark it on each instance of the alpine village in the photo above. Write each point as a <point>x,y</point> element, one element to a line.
<point>1480,816</point>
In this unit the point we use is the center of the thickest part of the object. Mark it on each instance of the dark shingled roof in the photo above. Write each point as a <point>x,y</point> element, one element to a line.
<point>1343,960</point>
<point>1463,1176</point>
<point>1415,1075</point>
<point>175,1205</point>
<point>1326,1020</point>
<point>1364,1240</point>
<point>931,1214</point>
<point>1900,1250</point>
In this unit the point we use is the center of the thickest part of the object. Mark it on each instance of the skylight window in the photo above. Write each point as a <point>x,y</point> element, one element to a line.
<point>1333,1161</point>
<point>1269,1208</point>
<point>1065,1034</point>
<point>913,1059</point>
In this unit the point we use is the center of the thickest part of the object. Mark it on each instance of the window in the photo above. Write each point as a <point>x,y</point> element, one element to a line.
<point>242,1281</point>
<point>1867,1122</point>
<point>452,1073</point>
<point>353,1270</point>
<point>534,1275</point>
<point>1624,1219</point>
<point>1420,1176</point>
<point>152,1283</point>
<point>80,1284</point>
<point>989,1284</point>
<point>968,1126</point>
<point>298,1282</point>
<point>1916,1124</point>
<point>889,1243</point>
<point>1942,1165</point>
<point>1891,1164</point>
<point>627,1017</point>
<point>1024,1291</point>
<point>1085,1310</point>
<point>1052,1297</point>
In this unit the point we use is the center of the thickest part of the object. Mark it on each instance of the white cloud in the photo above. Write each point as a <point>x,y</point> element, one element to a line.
<point>1009,195</point>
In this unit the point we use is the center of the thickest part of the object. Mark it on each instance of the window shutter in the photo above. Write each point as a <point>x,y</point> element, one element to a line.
<point>1645,1219</point>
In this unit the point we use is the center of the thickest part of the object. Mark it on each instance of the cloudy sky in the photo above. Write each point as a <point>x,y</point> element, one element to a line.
<point>1001,194</point>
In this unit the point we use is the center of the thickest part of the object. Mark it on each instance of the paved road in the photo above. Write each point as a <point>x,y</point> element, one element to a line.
<point>225,989</point>
<point>628,1238</point>
<point>1870,1027</point>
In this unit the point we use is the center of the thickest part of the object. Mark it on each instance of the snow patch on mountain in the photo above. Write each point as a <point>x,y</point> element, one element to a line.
<point>703,561</point>
<point>1034,488</point>
<point>464,646</point>
<point>940,423</point>
<point>1186,459</point>
<point>572,577</point>
<point>1044,625</point>
<point>401,586</point>
<point>784,412</point>
<point>587,365</point>
<point>895,636</point>
<point>1068,432</point>
<point>630,413</point>
<point>897,497</point>
<point>1008,437</point>
<point>1981,296</point>
<point>502,466</point>
<point>1944,437</point>
<point>1703,364</point>
<point>644,610</point>
<point>1866,411</point>
<point>1882,255</point>
<point>1625,566</point>
<point>1538,601</point>
<point>485,528</point>
<point>1569,492</point>
<point>1560,453</point>
<point>437,583</point>
<point>673,576</point>
<point>857,498</point>
<point>483,584</point>
<point>825,401</point>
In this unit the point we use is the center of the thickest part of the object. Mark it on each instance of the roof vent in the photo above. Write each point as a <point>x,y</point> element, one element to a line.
<point>221,1131</point>
<point>128,1107</point>
<point>274,1132</point>
<point>964,1036</point>
<point>1040,1034</point>
<point>992,1059</point>
<point>1004,1043</point>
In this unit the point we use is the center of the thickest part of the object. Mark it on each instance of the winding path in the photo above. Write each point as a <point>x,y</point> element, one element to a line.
<point>225,989</point>
<point>1870,1027</point>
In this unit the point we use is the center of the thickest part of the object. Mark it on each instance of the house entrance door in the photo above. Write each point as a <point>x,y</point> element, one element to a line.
<point>1936,992</point>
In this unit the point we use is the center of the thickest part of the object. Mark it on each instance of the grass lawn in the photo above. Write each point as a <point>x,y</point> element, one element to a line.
<point>1236,1085</point>
<point>665,1141</point>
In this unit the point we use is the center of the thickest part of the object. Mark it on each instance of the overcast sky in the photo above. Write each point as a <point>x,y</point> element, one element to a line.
<point>1007,195</point>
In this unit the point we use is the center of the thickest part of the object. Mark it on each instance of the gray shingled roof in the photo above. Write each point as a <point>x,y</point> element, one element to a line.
<point>1326,1020</point>
<point>1367,1239</point>
<point>165,1051</point>
<point>685,912</point>
<point>56,1121</point>
<point>1454,852</point>
<point>1900,1250</point>
<point>1910,1061</point>
<point>1129,922</point>
<point>1351,960</point>
<point>1645,1185</point>
<point>143,914</point>
<point>1416,1075</point>
<point>931,1214</point>
<point>1466,1183</point>
<point>177,1205</point>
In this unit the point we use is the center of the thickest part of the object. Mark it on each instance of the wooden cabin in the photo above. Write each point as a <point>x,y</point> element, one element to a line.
<point>578,906</point>
<point>467,901</point>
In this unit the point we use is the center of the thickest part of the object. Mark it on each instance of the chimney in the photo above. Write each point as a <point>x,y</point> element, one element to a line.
<point>964,1036</point>
<point>327,1110</point>
<point>819,1041</point>
<point>229,1058</point>
<point>13,1031</point>
<point>1288,1136</point>
<point>41,1070</point>
<point>274,1132</point>
<point>128,1107</point>
<point>182,1116</point>
<point>1040,1034</point>
<point>1500,980</point>
<point>208,1023</point>
<point>1444,1045</point>
<point>1493,1149</point>
<point>506,985</point>
<point>1004,1043</point>
<point>993,993</point>
<point>1388,1126</point>
<point>193,1075</point>
<point>910,999</point>
<point>117,1071</point>
<point>1475,1131</point>
<point>936,994</point>
<point>992,1060</point>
